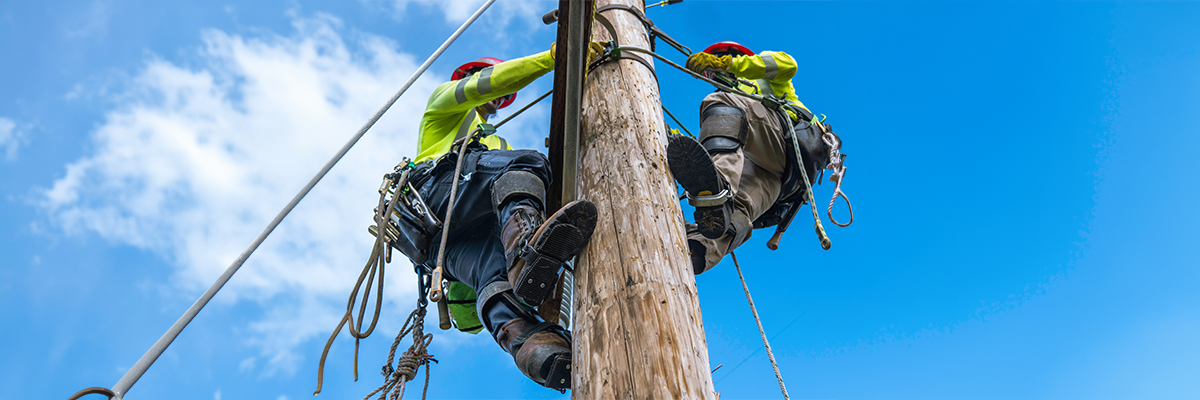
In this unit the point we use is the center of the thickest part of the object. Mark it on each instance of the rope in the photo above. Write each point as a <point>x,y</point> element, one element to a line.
<point>685,129</point>
<point>754,311</point>
<point>139,368</point>
<point>410,361</point>
<point>378,260</point>
<point>825,242</point>
<point>837,165</point>
<point>820,229</point>
<point>435,293</point>
<point>375,264</point>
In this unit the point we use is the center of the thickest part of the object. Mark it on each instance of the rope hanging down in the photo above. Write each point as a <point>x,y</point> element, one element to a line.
<point>614,53</point>
<point>427,282</point>
<point>411,360</point>
<point>127,381</point>
<point>754,311</point>
<point>435,293</point>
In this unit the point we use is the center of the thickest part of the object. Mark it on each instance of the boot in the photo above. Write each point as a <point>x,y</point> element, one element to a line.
<point>535,253</point>
<point>541,351</point>
<point>695,171</point>
<point>697,252</point>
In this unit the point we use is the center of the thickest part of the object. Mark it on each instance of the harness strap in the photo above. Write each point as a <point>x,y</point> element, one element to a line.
<point>489,291</point>
<point>465,128</point>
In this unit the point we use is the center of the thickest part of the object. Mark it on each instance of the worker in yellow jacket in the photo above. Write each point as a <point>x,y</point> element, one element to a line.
<point>500,243</point>
<point>743,163</point>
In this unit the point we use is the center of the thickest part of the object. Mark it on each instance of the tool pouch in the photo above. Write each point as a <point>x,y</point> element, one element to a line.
<point>413,224</point>
<point>774,215</point>
<point>814,151</point>
<point>416,226</point>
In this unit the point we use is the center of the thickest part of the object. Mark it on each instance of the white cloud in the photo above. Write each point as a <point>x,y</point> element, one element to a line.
<point>196,160</point>
<point>11,138</point>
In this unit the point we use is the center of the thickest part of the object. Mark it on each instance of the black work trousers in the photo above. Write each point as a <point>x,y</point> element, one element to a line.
<point>474,252</point>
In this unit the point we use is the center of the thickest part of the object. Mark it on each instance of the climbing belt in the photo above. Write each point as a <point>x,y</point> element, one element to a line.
<point>435,293</point>
<point>429,283</point>
<point>411,360</point>
<point>139,368</point>
<point>615,51</point>
<point>836,163</point>
<point>376,263</point>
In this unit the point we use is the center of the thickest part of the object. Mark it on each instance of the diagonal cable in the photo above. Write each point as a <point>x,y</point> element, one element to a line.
<point>157,349</point>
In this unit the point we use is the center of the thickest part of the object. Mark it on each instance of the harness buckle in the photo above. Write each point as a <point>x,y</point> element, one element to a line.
<point>486,129</point>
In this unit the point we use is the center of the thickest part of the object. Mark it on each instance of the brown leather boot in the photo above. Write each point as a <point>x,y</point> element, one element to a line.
<point>540,351</point>
<point>535,256</point>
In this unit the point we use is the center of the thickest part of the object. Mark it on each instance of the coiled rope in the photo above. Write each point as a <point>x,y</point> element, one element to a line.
<point>410,361</point>
<point>131,377</point>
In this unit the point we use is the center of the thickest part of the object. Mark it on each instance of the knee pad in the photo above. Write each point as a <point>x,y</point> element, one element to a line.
<point>513,185</point>
<point>500,291</point>
<point>723,128</point>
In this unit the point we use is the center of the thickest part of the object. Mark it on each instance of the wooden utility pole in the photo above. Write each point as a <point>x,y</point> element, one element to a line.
<point>638,332</point>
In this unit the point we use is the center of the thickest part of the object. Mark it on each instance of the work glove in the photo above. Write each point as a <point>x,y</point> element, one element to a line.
<point>595,49</point>
<point>699,62</point>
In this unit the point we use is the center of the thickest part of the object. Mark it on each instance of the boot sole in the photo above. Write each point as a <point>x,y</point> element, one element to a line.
<point>695,171</point>
<point>562,237</point>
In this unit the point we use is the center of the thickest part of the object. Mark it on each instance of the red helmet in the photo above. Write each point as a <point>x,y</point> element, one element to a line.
<point>728,47</point>
<point>467,69</point>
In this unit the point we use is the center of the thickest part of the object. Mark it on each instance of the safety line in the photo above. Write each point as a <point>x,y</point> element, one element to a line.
<point>760,327</point>
<point>131,377</point>
<point>435,293</point>
<point>685,129</point>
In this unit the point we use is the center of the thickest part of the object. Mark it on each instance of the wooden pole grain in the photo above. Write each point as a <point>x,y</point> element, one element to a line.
<point>638,332</point>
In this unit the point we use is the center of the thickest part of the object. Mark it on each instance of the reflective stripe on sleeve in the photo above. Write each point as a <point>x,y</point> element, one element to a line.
<point>765,87</point>
<point>460,91</point>
<point>772,66</point>
<point>485,81</point>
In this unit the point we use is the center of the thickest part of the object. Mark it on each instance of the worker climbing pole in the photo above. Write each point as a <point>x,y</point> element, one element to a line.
<point>637,324</point>
<point>636,318</point>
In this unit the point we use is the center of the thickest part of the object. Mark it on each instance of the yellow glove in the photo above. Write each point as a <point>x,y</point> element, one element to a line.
<point>595,49</point>
<point>699,62</point>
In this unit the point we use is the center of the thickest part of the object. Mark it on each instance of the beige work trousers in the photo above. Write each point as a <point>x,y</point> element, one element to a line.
<point>754,172</point>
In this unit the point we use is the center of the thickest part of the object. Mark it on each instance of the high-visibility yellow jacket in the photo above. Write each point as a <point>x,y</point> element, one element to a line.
<point>771,73</point>
<point>451,114</point>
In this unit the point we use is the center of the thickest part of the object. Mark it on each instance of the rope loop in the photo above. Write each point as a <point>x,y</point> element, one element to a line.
<point>837,191</point>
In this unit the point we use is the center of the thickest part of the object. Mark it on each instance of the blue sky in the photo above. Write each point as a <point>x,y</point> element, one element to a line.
<point>1022,173</point>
